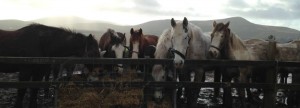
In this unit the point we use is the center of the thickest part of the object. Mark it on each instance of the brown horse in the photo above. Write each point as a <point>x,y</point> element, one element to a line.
<point>139,42</point>
<point>112,44</point>
<point>142,45</point>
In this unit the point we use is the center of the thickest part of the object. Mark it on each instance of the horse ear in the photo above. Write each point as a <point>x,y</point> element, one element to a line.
<point>124,37</point>
<point>214,24</point>
<point>173,23</point>
<point>131,31</point>
<point>140,31</point>
<point>91,36</point>
<point>227,24</point>
<point>185,22</point>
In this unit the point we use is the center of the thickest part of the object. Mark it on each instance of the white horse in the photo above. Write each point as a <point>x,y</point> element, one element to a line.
<point>186,41</point>
<point>161,52</point>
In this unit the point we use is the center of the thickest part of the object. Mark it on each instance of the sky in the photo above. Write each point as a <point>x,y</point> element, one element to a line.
<point>131,12</point>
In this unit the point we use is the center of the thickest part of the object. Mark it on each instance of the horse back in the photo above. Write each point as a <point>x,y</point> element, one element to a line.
<point>151,39</point>
<point>104,41</point>
<point>18,43</point>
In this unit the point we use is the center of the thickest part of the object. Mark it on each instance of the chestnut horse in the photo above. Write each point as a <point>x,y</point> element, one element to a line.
<point>112,44</point>
<point>141,45</point>
<point>38,40</point>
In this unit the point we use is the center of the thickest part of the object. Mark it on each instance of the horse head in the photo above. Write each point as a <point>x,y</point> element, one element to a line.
<point>219,39</point>
<point>180,41</point>
<point>116,46</point>
<point>91,49</point>
<point>135,41</point>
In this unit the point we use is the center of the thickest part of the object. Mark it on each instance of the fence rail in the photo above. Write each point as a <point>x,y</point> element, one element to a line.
<point>270,86</point>
<point>74,60</point>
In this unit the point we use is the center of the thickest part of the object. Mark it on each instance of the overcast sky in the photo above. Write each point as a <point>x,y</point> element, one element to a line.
<point>130,12</point>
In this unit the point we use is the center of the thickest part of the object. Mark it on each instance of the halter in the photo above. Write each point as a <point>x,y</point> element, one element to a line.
<point>135,52</point>
<point>177,52</point>
<point>217,48</point>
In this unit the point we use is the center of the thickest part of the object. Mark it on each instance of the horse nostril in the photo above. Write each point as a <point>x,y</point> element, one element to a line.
<point>215,53</point>
<point>181,62</point>
<point>211,53</point>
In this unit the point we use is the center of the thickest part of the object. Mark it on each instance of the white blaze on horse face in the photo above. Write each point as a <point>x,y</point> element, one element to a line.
<point>216,41</point>
<point>135,51</point>
<point>180,41</point>
<point>158,73</point>
<point>119,50</point>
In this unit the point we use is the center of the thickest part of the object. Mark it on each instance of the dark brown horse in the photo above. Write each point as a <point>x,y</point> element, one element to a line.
<point>113,45</point>
<point>38,40</point>
<point>141,45</point>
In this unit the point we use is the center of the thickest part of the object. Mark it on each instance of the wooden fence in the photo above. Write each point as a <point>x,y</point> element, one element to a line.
<point>270,87</point>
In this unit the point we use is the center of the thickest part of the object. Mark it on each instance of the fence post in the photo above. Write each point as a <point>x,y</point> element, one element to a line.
<point>146,79</point>
<point>271,75</point>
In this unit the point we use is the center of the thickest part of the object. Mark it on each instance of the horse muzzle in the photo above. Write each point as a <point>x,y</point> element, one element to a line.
<point>178,64</point>
<point>158,95</point>
<point>213,53</point>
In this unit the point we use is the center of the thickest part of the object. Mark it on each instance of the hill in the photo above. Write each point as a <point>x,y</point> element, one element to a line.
<point>241,26</point>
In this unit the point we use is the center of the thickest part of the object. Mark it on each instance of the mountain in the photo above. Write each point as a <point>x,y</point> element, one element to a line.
<point>239,25</point>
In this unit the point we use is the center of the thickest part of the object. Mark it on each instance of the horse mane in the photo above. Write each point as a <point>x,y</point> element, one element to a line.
<point>162,47</point>
<point>203,41</point>
<point>36,27</point>
<point>235,43</point>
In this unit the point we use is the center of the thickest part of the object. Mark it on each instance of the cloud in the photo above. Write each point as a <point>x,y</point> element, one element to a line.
<point>281,10</point>
<point>147,3</point>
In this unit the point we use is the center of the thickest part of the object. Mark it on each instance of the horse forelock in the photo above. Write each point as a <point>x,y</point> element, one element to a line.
<point>136,36</point>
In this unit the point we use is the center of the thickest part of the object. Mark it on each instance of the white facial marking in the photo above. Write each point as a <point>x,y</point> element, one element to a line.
<point>180,43</point>
<point>216,41</point>
<point>158,73</point>
<point>119,50</point>
<point>135,50</point>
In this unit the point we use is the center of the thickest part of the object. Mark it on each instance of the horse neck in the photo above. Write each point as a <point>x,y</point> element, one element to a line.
<point>161,50</point>
<point>198,41</point>
<point>163,44</point>
<point>237,49</point>
<point>142,44</point>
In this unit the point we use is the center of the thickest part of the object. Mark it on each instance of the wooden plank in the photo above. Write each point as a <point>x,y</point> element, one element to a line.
<point>271,76</point>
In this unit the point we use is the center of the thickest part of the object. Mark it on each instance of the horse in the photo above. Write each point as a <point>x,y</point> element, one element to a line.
<point>141,45</point>
<point>227,45</point>
<point>159,71</point>
<point>186,41</point>
<point>37,40</point>
<point>290,52</point>
<point>113,44</point>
